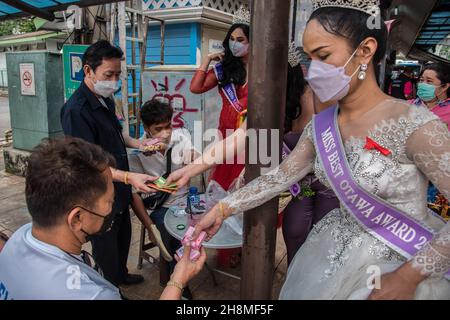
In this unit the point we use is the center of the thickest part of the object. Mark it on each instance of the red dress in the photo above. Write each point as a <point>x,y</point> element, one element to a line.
<point>202,82</point>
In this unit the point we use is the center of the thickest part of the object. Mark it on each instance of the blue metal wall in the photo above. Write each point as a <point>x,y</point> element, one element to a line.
<point>180,45</point>
<point>180,48</point>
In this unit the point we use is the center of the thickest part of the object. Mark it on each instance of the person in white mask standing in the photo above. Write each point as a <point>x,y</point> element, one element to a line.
<point>89,114</point>
<point>230,76</point>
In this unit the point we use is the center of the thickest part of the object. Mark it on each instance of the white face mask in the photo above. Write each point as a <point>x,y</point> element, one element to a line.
<point>106,88</point>
<point>238,49</point>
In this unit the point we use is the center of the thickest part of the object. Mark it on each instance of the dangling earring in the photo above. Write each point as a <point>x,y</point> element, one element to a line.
<point>362,73</point>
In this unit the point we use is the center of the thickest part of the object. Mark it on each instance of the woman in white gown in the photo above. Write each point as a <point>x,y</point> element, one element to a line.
<point>339,256</point>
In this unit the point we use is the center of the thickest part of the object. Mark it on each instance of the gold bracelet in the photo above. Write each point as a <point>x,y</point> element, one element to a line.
<point>222,211</point>
<point>125,178</point>
<point>175,284</point>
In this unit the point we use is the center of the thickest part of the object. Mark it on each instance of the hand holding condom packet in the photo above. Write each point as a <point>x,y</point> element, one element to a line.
<point>195,245</point>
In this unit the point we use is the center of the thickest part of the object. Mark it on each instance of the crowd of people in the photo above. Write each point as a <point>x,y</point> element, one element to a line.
<point>367,165</point>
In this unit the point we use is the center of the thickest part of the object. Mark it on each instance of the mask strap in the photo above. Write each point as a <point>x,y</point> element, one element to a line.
<point>350,59</point>
<point>356,71</point>
<point>92,81</point>
<point>93,72</point>
<point>441,86</point>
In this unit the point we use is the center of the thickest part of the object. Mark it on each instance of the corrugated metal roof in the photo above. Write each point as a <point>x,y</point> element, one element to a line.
<point>437,27</point>
<point>41,8</point>
<point>6,9</point>
<point>30,37</point>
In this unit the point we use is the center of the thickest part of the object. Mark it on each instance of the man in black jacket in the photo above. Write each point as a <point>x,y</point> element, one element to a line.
<point>89,114</point>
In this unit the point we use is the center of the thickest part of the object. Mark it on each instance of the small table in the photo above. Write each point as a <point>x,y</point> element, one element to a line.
<point>225,238</point>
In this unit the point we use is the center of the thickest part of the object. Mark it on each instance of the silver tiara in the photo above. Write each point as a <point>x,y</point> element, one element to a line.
<point>294,56</point>
<point>242,16</point>
<point>370,7</point>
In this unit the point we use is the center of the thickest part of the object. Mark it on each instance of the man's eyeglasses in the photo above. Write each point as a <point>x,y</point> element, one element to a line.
<point>108,220</point>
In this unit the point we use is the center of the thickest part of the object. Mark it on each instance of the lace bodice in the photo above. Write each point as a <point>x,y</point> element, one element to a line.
<point>420,151</point>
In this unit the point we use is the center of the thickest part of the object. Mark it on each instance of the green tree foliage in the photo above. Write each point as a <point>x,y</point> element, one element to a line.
<point>16,26</point>
<point>445,52</point>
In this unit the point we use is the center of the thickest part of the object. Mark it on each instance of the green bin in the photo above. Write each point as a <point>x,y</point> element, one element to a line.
<point>36,96</point>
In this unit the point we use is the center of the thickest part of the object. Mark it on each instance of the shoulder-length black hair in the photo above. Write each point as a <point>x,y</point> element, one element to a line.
<point>296,86</point>
<point>234,67</point>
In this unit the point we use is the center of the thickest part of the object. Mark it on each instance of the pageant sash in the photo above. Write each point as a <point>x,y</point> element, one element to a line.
<point>388,224</point>
<point>229,90</point>
<point>295,189</point>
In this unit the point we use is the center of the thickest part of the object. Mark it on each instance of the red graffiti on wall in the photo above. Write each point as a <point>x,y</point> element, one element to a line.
<point>176,100</point>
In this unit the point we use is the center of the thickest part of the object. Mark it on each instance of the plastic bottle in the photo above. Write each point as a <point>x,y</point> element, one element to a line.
<point>190,198</point>
<point>193,208</point>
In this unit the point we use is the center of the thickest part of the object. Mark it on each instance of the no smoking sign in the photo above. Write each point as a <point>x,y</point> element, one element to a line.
<point>27,83</point>
<point>27,79</point>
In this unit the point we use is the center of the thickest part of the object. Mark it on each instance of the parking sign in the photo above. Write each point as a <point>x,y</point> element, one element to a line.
<point>73,68</point>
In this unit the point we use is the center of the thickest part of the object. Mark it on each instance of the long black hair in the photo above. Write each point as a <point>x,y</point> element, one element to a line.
<point>233,67</point>
<point>296,85</point>
<point>442,72</point>
<point>352,25</point>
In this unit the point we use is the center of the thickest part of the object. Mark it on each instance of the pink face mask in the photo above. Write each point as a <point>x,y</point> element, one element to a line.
<point>328,82</point>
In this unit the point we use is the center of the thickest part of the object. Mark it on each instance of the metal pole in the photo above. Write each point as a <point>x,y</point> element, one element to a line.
<point>137,100</point>
<point>163,32</point>
<point>113,23</point>
<point>124,74</point>
<point>267,99</point>
<point>294,19</point>
<point>85,24</point>
<point>108,19</point>
<point>142,57</point>
<point>133,21</point>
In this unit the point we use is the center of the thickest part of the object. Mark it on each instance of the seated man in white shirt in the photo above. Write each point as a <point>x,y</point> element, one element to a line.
<point>156,117</point>
<point>69,193</point>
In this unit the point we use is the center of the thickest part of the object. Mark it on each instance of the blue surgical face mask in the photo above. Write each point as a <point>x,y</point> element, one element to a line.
<point>426,91</point>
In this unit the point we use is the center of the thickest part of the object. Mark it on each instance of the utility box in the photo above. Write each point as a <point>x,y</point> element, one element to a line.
<point>36,96</point>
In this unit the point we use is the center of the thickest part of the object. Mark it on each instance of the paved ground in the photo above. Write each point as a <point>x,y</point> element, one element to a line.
<point>13,214</point>
<point>4,116</point>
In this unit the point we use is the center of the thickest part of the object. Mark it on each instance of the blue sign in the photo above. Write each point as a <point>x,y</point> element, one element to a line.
<point>73,67</point>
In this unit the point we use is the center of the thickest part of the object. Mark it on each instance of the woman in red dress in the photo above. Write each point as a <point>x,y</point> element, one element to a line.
<point>234,63</point>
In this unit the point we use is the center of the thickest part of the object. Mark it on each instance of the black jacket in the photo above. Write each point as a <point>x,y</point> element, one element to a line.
<point>84,116</point>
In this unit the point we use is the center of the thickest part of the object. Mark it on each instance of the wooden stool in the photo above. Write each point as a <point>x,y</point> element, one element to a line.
<point>163,265</point>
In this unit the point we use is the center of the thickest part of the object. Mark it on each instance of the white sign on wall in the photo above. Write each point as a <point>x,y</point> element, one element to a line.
<point>215,46</point>
<point>27,80</point>
<point>173,87</point>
